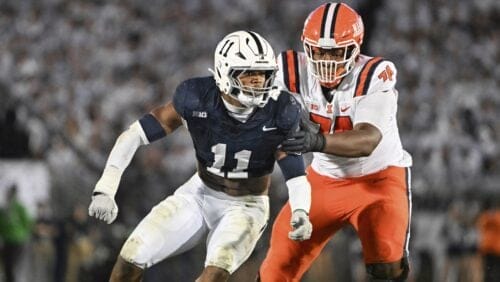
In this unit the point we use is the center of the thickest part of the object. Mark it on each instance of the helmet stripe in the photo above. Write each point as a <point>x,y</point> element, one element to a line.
<point>334,20</point>
<point>323,21</point>
<point>329,19</point>
<point>227,50</point>
<point>293,71</point>
<point>297,77</point>
<point>285,71</point>
<point>257,41</point>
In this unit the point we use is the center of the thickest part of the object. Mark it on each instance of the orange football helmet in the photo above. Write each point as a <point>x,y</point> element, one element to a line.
<point>331,26</point>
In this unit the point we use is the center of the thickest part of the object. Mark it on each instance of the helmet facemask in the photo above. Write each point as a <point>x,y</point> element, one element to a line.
<point>249,95</point>
<point>332,26</point>
<point>331,71</point>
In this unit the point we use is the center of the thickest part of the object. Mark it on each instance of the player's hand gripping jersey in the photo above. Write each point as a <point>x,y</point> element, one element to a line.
<point>366,95</point>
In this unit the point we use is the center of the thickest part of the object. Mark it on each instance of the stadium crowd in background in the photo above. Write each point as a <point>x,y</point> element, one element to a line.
<point>73,74</point>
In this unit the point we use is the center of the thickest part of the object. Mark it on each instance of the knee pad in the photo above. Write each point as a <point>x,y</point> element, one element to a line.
<point>130,253</point>
<point>381,272</point>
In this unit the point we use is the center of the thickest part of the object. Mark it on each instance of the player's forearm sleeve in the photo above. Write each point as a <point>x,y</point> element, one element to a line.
<point>151,128</point>
<point>299,189</point>
<point>299,193</point>
<point>292,166</point>
<point>124,149</point>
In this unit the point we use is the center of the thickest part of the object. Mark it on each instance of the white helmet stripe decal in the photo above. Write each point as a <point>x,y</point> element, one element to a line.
<point>323,19</point>
<point>329,22</point>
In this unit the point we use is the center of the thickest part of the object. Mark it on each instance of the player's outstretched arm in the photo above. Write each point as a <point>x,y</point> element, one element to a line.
<point>359,142</point>
<point>150,127</point>
<point>299,195</point>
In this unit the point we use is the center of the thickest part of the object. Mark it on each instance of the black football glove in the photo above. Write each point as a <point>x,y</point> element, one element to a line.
<point>304,141</point>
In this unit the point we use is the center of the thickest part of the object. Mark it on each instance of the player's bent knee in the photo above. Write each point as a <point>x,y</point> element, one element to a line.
<point>278,271</point>
<point>396,271</point>
<point>213,273</point>
<point>272,276</point>
<point>131,254</point>
<point>126,271</point>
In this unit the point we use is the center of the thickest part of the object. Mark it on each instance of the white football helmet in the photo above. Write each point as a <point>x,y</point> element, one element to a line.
<point>240,52</point>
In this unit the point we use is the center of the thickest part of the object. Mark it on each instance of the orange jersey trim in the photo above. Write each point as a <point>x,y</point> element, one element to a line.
<point>366,73</point>
<point>291,70</point>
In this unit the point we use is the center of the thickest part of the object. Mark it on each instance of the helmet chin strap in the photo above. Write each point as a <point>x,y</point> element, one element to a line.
<point>239,113</point>
<point>336,82</point>
<point>331,85</point>
<point>247,100</point>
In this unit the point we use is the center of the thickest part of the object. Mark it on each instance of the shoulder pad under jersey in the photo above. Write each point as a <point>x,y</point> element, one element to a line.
<point>288,115</point>
<point>288,74</point>
<point>376,75</point>
<point>188,93</point>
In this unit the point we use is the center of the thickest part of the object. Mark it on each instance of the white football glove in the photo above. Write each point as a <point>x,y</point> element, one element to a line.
<point>302,227</point>
<point>103,207</point>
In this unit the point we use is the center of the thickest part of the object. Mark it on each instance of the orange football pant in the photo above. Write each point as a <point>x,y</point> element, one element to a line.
<point>376,205</point>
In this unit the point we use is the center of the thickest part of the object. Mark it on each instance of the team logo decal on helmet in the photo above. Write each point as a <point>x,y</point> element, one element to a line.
<point>331,26</point>
<point>240,52</point>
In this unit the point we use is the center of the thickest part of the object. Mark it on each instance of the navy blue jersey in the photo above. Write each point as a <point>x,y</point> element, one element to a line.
<point>225,146</point>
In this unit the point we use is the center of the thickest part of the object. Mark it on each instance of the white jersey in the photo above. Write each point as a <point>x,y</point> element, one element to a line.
<point>366,95</point>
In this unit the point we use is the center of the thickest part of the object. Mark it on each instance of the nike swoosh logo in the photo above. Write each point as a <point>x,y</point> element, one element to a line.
<point>345,109</point>
<point>264,128</point>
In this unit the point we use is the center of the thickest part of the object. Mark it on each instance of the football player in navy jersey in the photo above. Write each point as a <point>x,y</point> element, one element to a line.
<point>237,121</point>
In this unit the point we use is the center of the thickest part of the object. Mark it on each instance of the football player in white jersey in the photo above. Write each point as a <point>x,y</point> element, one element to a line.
<point>237,120</point>
<point>359,174</point>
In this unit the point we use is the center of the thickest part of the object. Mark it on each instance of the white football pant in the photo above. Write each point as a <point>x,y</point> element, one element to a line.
<point>178,223</point>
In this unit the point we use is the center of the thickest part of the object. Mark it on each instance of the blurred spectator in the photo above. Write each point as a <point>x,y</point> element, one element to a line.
<point>13,139</point>
<point>43,248</point>
<point>80,246</point>
<point>73,245</point>
<point>460,235</point>
<point>489,241</point>
<point>15,231</point>
<point>74,73</point>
